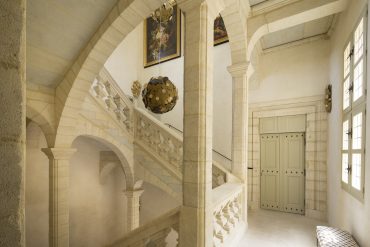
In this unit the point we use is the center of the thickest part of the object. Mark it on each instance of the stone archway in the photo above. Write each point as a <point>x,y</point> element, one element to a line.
<point>71,92</point>
<point>42,118</point>
<point>123,152</point>
<point>123,18</point>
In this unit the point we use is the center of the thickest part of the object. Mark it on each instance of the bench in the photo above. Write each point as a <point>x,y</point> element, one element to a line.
<point>334,237</point>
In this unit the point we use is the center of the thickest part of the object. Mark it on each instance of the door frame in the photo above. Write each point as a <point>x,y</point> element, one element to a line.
<point>315,155</point>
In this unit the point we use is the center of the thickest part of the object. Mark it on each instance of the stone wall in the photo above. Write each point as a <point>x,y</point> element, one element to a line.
<point>12,121</point>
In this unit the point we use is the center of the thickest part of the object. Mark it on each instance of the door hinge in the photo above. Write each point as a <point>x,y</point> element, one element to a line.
<point>304,172</point>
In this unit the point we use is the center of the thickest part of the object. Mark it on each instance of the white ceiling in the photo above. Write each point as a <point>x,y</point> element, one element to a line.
<point>299,32</point>
<point>56,33</point>
<point>255,2</point>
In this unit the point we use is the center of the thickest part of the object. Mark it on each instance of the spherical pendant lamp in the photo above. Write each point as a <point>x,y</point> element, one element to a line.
<point>159,95</point>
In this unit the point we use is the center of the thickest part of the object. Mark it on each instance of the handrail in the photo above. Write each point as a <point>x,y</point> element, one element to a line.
<point>148,231</point>
<point>173,127</point>
<point>109,95</point>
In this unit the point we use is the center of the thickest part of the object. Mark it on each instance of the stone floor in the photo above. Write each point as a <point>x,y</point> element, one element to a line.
<point>276,229</point>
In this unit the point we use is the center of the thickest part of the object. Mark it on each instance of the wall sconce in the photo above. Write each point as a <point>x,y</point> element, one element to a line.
<point>328,98</point>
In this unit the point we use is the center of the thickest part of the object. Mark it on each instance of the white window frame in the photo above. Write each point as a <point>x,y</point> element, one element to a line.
<point>354,108</point>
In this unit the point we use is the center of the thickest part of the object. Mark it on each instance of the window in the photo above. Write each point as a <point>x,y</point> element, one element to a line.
<point>354,110</point>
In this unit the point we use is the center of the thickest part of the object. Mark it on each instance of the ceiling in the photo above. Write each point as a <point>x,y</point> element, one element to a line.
<point>255,2</point>
<point>56,33</point>
<point>299,32</point>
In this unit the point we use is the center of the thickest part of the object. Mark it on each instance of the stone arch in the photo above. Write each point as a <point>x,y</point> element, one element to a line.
<point>235,19</point>
<point>123,151</point>
<point>290,21</point>
<point>123,18</point>
<point>42,116</point>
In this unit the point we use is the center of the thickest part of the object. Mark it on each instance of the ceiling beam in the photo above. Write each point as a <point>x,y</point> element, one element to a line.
<point>295,14</point>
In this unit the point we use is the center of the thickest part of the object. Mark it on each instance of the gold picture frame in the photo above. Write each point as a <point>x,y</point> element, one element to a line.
<point>219,32</point>
<point>162,39</point>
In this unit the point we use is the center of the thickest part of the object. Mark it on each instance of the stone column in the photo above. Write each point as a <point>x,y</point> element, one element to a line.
<point>12,121</point>
<point>58,195</point>
<point>239,149</point>
<point>196,223</point>
<point>133,205</point>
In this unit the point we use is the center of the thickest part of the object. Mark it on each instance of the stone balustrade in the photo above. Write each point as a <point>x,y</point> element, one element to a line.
<point>154,233</point>
<point>109,95</point>
<point>227,213</point>
<point>158,139</point>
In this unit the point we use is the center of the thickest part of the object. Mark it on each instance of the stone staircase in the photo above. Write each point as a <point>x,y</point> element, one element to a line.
<point>158,158</point>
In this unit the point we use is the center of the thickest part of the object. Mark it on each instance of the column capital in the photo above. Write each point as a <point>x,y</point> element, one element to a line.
<point>59,153</point>
<point>133,193</point>
<point>238,69</point>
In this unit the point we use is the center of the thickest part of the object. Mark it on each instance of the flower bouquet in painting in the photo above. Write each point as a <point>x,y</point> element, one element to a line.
<point>162,35</point>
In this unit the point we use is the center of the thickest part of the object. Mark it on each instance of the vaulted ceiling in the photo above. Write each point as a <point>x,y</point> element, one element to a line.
<point>56,33</point>
<point>306,30</point>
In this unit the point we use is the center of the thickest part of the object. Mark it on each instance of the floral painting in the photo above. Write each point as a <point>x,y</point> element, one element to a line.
<point>162,40</point>
<point>219,31</point>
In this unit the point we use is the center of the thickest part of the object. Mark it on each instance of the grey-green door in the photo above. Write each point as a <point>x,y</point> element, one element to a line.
<point>292,172</point>
<point>270,155</point>
<point>282,172</point>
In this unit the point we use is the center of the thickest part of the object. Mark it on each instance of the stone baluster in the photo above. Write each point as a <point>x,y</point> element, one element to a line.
<point>133,206</point>
<point>160,237</point>
<point>99,89</point>
<point>109,98</point>
<point>58,195</point>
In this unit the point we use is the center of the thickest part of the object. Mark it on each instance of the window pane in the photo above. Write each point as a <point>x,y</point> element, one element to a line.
<point>357,131</point>
<point>347,60</point>
<point>346,94</point>
<point>344,168</point>
<point>356,171</point>
<point>345,135</point>
<point>359,40</point>
<point>358,81</point>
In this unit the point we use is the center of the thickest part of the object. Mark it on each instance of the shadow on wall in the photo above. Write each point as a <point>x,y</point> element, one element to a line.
<point>97,210</point>
<point>154,202</point>
<point>37,188</point>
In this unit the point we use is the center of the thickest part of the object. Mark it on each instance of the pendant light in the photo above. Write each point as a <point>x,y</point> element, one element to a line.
<point>160,94</point>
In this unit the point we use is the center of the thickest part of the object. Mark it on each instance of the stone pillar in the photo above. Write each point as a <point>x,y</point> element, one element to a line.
<point>196,223</point>
<point>12,121</point>
<point>133,205</point>
<point>58,195</point>
<point>239,149</point>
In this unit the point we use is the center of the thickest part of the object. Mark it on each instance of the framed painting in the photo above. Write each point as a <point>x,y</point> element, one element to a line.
<point>162,36</point>
<point>219,31</point>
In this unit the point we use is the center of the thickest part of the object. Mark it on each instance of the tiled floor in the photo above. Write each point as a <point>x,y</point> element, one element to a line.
<point>276,229</point>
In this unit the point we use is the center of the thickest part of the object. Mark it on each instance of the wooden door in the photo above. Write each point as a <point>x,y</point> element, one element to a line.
<point>282,172</point>
<point>292,172</point>
<point>270,195</point>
